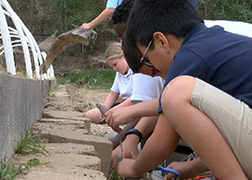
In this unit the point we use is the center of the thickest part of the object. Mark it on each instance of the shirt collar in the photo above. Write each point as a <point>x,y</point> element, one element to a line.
<point>128,73</point>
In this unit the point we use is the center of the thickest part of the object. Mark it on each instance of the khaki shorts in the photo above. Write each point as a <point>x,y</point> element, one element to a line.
<point>231,116</point>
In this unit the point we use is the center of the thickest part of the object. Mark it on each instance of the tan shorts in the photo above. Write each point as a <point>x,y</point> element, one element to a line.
<point>231,116</point>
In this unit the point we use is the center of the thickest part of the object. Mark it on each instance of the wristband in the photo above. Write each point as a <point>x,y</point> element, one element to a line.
<point>136,132</point>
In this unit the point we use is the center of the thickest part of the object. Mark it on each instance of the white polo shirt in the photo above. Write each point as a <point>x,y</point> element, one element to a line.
<point>146,87</point>
<point>123,84</point>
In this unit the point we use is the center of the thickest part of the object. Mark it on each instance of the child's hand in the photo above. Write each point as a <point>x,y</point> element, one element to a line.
<point>124,168</point>
<point>119,116</point>
<point>184,168</point>
<point>102,119</point>
<point>103,110</point>
<point>86,26</point>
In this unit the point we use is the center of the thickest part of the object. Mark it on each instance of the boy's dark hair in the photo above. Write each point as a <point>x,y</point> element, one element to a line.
<point>120,15</point>
<point>177,17</point>
<point>122,11</point>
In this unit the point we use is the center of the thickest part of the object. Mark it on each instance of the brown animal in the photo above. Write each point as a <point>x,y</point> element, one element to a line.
<point>77,35</point>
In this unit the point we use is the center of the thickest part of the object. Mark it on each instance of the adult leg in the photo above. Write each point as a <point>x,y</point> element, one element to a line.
<point>198,130</point>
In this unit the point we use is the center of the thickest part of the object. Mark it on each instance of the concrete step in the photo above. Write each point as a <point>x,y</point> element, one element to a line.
<point>68,115</point>
<point>74,153</point>
<point>66,148</point>
<point>46,174</point>
<point>74,115</point>
<point>76,130</point>
<point>66,161</point>
<point>61,126</point>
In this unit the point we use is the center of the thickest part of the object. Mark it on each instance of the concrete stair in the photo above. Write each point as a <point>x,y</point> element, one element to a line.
<point>74,152</point>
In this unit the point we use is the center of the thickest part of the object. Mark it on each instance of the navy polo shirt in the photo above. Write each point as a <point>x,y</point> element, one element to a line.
<point>220,58</point>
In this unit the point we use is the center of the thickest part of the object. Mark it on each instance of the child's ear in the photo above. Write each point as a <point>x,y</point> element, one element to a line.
<point>161,39</point>
<point>123,55</point>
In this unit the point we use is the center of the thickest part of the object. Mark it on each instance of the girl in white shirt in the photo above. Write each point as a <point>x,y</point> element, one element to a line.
<point>122,83</point>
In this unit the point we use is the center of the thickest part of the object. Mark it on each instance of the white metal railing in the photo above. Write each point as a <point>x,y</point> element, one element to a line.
<point>23,38</point>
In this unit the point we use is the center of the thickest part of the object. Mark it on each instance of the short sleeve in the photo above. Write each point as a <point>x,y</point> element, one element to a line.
<point>113,3</point>
<point>146,87</point>
<point>115,86</point>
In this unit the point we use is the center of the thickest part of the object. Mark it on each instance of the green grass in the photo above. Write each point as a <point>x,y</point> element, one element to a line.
<point>52,92</point>
<point>92,78</point>
<point>28,146</point>
<point>113,175</point>
<point>9,170</point>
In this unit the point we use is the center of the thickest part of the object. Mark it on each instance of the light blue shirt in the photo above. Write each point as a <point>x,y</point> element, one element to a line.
<point>113,3</point>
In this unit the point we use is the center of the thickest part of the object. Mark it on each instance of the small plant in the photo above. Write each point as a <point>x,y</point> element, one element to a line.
<point>113,175</point>
<point>32,162</point>
<point>51,92</point>
<point>28,146</point>
<point>9,170</point>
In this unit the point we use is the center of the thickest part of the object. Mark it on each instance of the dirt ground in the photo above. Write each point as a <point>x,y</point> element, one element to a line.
<point>83,98</point>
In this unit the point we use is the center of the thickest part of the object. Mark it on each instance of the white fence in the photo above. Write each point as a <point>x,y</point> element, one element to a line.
<point>20,36</point>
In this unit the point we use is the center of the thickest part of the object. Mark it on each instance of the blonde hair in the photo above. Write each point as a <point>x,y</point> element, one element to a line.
<point>114,51</point>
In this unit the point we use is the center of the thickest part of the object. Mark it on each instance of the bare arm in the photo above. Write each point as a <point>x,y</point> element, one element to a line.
<point>159,146</point>
<point>125,103</point>
<point>121,115</point>
<point>145,125</point>
<point>116,139</point>
<point>129,149</point>
<point>110,99</point>
<point>105,14</point>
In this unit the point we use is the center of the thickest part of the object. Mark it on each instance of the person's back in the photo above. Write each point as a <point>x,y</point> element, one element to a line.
<point>224,61</point>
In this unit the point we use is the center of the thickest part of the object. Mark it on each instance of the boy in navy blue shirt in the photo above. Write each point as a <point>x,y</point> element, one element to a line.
<point>207,98</point>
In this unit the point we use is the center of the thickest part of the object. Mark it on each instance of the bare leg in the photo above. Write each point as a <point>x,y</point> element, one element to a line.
<point>94,115</point>
<point>198,130</point>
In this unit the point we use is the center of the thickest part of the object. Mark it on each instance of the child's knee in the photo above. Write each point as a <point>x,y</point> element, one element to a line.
<point>93,115</point>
